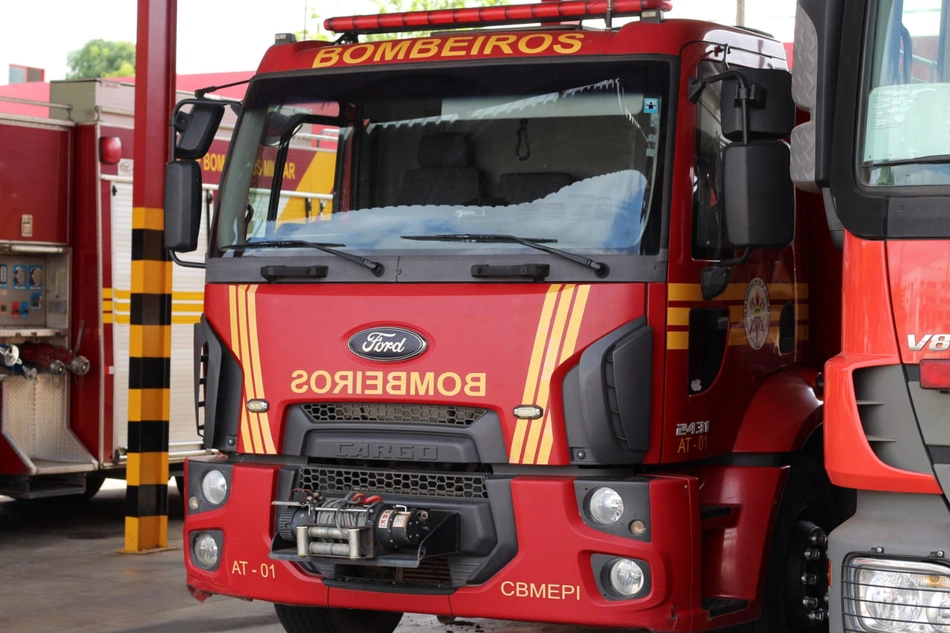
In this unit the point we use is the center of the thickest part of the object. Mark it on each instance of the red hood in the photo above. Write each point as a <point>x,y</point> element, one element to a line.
<point>489,346</point>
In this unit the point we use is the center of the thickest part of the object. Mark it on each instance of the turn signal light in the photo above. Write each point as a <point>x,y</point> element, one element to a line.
<point>935,374</point>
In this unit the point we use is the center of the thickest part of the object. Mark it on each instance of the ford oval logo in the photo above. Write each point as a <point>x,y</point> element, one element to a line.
<point>387,344</point>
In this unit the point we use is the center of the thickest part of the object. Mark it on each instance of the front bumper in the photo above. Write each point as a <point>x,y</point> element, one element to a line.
<point>550,576</point>
<point>886,526</point>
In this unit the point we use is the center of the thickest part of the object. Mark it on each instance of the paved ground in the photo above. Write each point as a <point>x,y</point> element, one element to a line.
<point>59,573</point>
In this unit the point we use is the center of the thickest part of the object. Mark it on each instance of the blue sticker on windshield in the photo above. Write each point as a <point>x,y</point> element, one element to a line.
<point>651,106</point>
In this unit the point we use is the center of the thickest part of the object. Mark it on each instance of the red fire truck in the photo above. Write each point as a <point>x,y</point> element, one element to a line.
<point>65,269</point>
<point>876,82</point>
<point>546,356</point>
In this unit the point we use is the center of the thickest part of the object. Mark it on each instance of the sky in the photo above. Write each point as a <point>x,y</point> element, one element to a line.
<point>216,36</point>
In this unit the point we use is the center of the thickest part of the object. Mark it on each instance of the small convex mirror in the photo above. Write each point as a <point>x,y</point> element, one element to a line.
<point>195,128</point>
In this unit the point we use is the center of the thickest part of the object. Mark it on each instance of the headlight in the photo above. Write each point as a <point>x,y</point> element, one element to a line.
<point>893,596</point>
<point>214,487</point>
<point>206,551</point>
<point>606,506</point>
<point>626,577</point>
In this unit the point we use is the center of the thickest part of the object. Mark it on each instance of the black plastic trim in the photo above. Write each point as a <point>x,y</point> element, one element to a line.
<point>222,390</point>
<point>607,398</point>
<point>635,493</point>
<point>218,537</point>
<point>482,442</point>
<point>197,468</point>
<point>600,565</point>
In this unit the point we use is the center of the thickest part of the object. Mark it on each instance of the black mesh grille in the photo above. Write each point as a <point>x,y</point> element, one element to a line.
<point>345,480</point>
<point>391,412</point>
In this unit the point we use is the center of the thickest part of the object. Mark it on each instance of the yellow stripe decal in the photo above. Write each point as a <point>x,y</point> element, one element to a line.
<point>570,344</point>
<point>547,369</point>
<point>677,340</point>
<point>248,380</point>
<point>677,316</point>
<point>534,369</point>
<point>736,292</point>
<point>256,368</point>
<point>236,348</point>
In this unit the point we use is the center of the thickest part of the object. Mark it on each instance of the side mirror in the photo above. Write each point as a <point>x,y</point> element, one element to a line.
<point>195,129</point>
<point>758,195</point>
<point>182,205</point>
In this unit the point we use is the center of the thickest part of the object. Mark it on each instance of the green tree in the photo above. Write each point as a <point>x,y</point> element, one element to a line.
<point>400,6</point>
<point>101,58</point>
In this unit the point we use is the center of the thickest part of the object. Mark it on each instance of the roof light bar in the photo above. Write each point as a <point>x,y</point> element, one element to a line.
<point>494,16</point>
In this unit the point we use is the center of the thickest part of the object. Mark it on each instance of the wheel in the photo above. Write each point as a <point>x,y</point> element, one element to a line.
<point>320,620</point>
<point>180,484</point>
<point>797,577</point>
<point>93,484</point>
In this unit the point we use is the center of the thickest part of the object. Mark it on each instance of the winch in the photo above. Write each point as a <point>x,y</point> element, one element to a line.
<point>361,526</point>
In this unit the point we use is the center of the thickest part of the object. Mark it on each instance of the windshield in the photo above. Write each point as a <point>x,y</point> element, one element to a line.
<point>907,129</point>
<point>570,154</point>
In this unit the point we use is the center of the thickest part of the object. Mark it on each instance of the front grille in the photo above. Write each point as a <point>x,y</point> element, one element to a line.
<point>391,412</point>
<point>345,480</point>
<point>431,571</point>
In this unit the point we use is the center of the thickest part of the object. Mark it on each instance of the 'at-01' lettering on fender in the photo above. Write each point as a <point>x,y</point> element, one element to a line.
<point>394,383</point>
<point>543,591</point>
<point>449,47</point>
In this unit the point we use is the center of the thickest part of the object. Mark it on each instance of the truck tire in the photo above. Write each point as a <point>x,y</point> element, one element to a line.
<point>808,508</point>
<point>321,620</point>
<point>93,484</point>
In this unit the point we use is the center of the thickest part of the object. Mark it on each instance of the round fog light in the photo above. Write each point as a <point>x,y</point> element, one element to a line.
<point>606,506</point>
<point>206,551</point>
<point>193,503</point>
<point>626,577</point>
<point>214,487</point>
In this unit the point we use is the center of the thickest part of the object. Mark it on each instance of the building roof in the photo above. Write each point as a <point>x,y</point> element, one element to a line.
<point>40,91</point>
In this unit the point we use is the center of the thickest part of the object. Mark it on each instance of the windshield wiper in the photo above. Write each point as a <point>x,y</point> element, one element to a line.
<point>600,269</point>
<point>375,267</point>
<point>935,159</point>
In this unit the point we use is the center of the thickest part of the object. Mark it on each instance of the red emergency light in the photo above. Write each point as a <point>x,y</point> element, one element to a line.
<point>495,16</point>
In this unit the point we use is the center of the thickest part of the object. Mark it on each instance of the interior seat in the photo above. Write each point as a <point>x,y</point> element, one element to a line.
<point>447,173</point>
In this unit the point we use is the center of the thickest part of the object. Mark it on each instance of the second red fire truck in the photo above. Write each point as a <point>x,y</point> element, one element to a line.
<point>877,83</point>
<point>546,355</point>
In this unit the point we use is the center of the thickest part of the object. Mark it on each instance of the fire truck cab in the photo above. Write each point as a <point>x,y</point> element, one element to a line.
<point>876,80</point>
<point>545,355</point>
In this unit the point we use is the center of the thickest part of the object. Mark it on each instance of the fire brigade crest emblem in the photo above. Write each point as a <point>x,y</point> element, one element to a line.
<point>757,313</point>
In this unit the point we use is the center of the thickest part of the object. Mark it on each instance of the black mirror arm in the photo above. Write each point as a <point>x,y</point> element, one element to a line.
<point>184,263</point>
<point>697,85</point>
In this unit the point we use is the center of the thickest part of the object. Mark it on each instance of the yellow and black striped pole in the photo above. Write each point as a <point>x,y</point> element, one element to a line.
<point>146,516</point>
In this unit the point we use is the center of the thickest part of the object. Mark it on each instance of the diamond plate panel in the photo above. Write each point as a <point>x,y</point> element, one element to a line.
<point>803,156</point>
<point>805,77</point>
<point>35,419</point>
